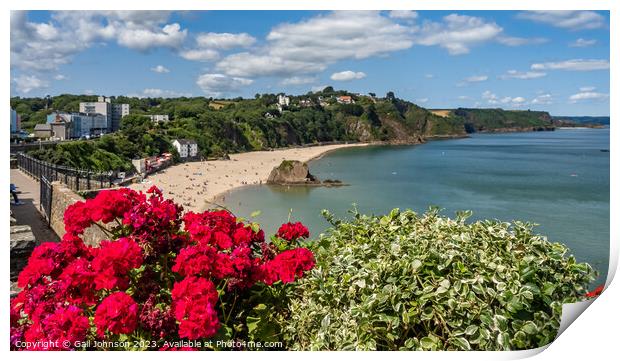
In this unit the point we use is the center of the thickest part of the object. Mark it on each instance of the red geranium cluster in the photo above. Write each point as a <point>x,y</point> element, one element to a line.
<point>159,274</point>
<point>293,231</point>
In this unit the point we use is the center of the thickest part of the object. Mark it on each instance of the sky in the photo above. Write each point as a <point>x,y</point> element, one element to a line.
<point>556,61</point>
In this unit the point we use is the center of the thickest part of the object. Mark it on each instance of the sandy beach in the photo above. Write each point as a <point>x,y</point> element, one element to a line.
<point>196,185</point>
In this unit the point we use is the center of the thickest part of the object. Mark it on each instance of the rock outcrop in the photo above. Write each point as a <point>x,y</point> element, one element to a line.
<point>291,172</point>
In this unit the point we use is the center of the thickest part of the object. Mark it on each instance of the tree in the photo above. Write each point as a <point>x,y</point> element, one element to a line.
<point>390,96</point>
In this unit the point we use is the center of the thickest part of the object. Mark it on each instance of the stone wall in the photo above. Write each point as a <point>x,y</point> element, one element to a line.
<point>62,197</point>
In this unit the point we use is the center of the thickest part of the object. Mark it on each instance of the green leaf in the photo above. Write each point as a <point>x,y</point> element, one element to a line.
<point>255,214</point>
<point>530,328</point>
<point>461,343</point>
<point>427,343</point>
<point>471,330</point>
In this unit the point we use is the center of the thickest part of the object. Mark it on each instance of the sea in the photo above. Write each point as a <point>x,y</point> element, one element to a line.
<point>558,180</point>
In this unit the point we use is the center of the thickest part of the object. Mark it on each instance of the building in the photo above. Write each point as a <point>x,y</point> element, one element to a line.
<point>43,131</point>
<point>113,112</point>
<point>78,125</point>
<point>187,148</point>
<point>306,103</point>
<point>283,100</point>
<point>159,117</point>
<point>345,99</point>
<point>15,123</point>
<point>323,102</point>
<point>119,111</point>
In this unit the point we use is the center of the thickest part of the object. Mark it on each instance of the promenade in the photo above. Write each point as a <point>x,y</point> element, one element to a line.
<point>28,213</point>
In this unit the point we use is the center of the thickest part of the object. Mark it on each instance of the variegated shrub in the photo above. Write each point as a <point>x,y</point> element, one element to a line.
<point>427,282</point>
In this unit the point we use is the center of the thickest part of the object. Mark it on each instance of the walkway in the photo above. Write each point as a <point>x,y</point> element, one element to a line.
<point>29,213</point>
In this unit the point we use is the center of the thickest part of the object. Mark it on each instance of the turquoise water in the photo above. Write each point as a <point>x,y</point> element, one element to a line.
<point>559,180</point>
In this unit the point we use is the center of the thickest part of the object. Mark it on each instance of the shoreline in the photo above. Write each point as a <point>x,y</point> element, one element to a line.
<point>203,184</point>
<point>199,185</point>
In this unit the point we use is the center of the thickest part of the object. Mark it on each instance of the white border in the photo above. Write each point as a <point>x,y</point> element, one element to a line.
<point>593,335</point>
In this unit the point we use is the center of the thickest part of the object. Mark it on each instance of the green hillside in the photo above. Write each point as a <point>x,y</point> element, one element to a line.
<point>222,126</point>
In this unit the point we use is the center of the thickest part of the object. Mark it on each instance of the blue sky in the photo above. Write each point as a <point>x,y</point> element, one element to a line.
<point>556,61</point>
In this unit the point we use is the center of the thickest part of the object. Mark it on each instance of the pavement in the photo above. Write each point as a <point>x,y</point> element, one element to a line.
<point>29,212</point>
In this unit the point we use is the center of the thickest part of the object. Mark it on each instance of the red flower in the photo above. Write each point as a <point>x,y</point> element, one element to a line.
<point>118,314</point>
<point>45,260</point>
<point>287,265</point>
<point>293,231</point>
<point>222,240</point>
<point>77,282</point>
<point>61,330</point>
<point>110,204</point>
<point>193,301</point>
<point>113,262</point>
<point>61,280</point>
<point>597,291</point>
<point>197,261</point>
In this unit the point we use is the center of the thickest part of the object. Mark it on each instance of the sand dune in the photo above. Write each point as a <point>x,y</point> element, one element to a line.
<point>196,185</point>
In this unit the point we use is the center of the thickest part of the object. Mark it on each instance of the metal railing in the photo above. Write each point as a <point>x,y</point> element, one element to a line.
<point>76,179</point>
<point>45,198</point>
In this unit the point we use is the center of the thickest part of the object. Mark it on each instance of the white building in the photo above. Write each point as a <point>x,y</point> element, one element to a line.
<point>113,112</point>
<point>186,147</point>
<point>159,117</point>
<point>283,100</point>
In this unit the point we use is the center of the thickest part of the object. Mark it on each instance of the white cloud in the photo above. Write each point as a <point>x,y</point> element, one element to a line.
<point>492,98</point>
<point>199,54</point>
<point>567,19</point>
<point>208,45</point>
<point>47,45</point>
<point>472,79</point>
<point>587,88</point>
<point>318,88</point>
<point>464,97</point>
<point>298,80</point>
<point>224,41</point>
<point>59,77</point>
<point>403,14</point>
<point>517,41</point>
<point>89,92</point>
<point>309,46</point>
<point>251,65</point>
<point>514,74</point>
<point>139,30</point>
<point>27,83</point>
<point>160,69</point>
<point>429,76</point>
<point>573,65</point>
<point>543,99</point>
<point>160,93</point>
<point>587,95</point>
<point>476,78</point>
<point>582,43</point>
<point>218,84</point>
<point>142,39</point>
<point>457,33</point>
<point>422,100</point>
<point>347,75</point>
